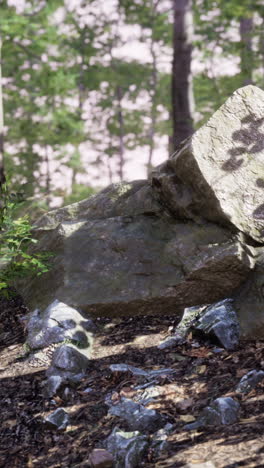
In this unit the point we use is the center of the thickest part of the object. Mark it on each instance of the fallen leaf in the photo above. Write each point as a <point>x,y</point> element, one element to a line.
<point>247,420</point>
<point>200,353</point>
<point>115,397</point>
<point>177,357</point>
<point>241,372</point>
<point>189,336</point>
<point>201,369</point>
<point>187,418</point>
<point>58,400</point>
<point>127,392</point>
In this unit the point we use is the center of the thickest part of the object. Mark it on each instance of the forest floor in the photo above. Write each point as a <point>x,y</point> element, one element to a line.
<point>201,376</point>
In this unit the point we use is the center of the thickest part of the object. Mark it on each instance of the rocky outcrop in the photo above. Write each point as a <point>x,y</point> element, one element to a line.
<point>135,260</point>
<point>189,236</point>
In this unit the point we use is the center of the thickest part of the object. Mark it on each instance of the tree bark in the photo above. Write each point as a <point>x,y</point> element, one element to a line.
<point>120,118</point>
<point>153,90</point>
<point>182,92</point>
<point>246,57</point>
<point>2,170</point>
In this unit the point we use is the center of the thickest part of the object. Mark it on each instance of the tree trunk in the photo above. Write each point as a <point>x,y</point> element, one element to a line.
<point>2,170</point>
<point>48,177</point>
<point>182,92</point>
<point>153,87</point>
<point>246,56</point>
<point>121,133</point>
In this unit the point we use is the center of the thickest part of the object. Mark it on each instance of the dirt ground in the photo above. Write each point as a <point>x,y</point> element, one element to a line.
<point>201,375</point>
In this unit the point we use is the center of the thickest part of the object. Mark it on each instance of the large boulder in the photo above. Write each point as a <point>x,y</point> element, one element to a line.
<point>218,173</point>
<point>122,253</point>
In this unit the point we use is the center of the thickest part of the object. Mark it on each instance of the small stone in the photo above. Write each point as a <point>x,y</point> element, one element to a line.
<point>137,417</point>
<point>59,419</point>
<point>101,458</point>
<point>159,439</point>
<point>222,411</point>
<point>136,371</point>
<point>53,383</point>
<point>57,323</point>
<point>127,448</point>
<point>69,363</point>
<point>170,342</point>
<point>250,381</point>
<point>220,320</point>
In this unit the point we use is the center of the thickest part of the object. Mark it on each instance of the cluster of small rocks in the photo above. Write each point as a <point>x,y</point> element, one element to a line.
<point>147,429</point>
<point>217,321</point>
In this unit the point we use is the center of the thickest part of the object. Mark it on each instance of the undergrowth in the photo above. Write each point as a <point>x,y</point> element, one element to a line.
<point>16,258</point>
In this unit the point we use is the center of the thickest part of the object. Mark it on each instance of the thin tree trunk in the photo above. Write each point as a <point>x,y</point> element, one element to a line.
<point>246,57</point>
<point>2,170</point>
<point>109,170</point>
<point>182,92</point>
<point>121,133</point>
<point>48,177</point>
<point>153,94</point>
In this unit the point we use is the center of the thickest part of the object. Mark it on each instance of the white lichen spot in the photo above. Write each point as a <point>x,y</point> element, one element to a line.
<point>120,189</point>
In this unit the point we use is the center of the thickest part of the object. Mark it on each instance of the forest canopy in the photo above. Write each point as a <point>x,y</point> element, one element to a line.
<point>96,92</point>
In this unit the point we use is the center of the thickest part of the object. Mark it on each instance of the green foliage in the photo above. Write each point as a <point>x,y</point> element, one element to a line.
<point>15,240</point>
<point>80,192</point>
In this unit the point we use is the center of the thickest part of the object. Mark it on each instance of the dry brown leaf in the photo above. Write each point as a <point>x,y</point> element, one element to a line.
<point>200,353</point>
<point>187,418</point>
<point>127,392</point>
<point>201,369</point>
<point>247,420</point>
<point>189,336</point>
<point>115,397</point>
<point>241,372</point>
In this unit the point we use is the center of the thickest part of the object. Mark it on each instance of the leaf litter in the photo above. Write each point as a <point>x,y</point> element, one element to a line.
<point>200,376</point>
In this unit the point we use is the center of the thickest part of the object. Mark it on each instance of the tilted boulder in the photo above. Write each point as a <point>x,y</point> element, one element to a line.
<point>121,253</point>
<point>218,173</point>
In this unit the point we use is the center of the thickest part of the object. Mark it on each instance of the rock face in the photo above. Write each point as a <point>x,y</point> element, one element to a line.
<point>179,240</point>
<point>249,301</point>
<point>131,257</point>
<point>218,173</point>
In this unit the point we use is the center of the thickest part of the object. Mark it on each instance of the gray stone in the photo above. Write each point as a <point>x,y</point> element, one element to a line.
<point>218,173</point>
<point>69,363</point>
<point>59,419</point>
<point>137,417</point>
<point>57,323</point>
<point>189,320</point>
<point>127,448</point>
<point>124,243</point>
<point>170,342</point>
<point>250,381</point>
<point>223,411</point>
<point>148,394</point>
<point>136,371</point>
<point>249,301</point>
<point>220,320</point>
<point>100,458</point>
<point>159,439</point>
<point>53,384</point>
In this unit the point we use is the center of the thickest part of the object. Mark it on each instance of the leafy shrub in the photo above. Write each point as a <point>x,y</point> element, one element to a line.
<point>15,240</point>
